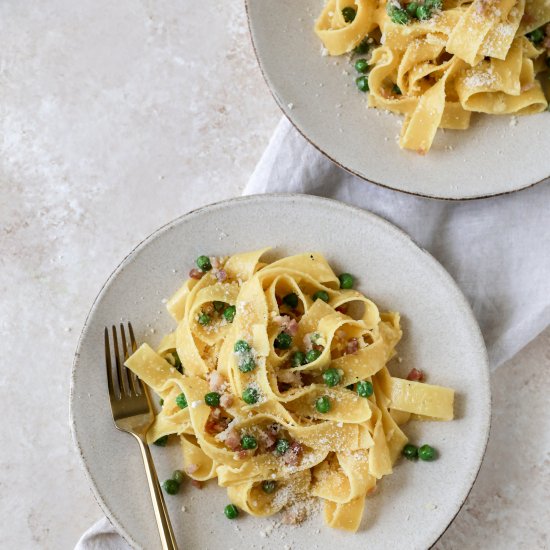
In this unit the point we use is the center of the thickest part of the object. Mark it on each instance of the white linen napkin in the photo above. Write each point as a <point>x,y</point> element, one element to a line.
<point>102,536</point>
<point>498,250</point>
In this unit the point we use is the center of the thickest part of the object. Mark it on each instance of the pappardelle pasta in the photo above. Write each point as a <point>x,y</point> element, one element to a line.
<point>276,383</point>
<point>437,61</point>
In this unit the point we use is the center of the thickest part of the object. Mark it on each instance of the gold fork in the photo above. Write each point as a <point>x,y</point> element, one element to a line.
<point>133,414</point>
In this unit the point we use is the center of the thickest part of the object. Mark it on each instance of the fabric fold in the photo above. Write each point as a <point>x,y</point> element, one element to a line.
<point>496,249</point>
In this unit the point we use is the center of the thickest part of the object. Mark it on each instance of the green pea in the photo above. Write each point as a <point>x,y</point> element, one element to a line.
<point>364,388</point>
<point>203,263</point>
<point>410,452</point>
<point>332,377</point>
<point>248,442</point>
<point>269,486</point>
<point>536,36</point>
<point>218,306</point>
<point>181,401</point>
<point>248,364</point>
<point>171,486</point>
<point>291,300</point>
<point>283,341</point>
<point>396,89</point>
<point>362,83</point>
<point>177,362</point>
<point>427,453</point>
<point>229,313</point>
<point>241,346</point>
<point>282,446</point>
<point>323,404</point>
<point>251,396</point>
<point>178,476</point>
<point>349,14</point>
<point>161,441</point>
<point>204,319</point>
<point>411,9</point>
<point>161,401</point>
<point>212,399</point>
<point>231,511</point>
<point>346,280</point>
<point>320,295</point>
<point>363,47</point>
<point>423,12</point>
<point>312,355</point>
<point>361,66</point>
<point>398,15</point>
<point>298,359</point>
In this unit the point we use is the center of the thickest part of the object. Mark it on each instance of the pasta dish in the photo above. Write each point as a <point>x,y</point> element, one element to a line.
<point>276,382</point>
<point>438,61</point>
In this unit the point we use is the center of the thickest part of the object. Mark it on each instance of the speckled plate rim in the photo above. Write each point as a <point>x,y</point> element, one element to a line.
<point>288,115</point>
<point>353,210</point>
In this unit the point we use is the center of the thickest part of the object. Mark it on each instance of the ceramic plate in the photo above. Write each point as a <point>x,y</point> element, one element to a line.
<point>318,94</point>
<point>415,504</point>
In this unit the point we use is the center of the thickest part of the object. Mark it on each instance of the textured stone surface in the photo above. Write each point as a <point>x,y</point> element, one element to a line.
<point>115,118</point>
<point>508,505</point>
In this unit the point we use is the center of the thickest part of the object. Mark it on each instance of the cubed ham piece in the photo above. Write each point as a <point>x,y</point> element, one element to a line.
<point>290,377</point>
<point>294,454</point>
<point>233,440</point>
<point>216,381</point>
<point>226,400</point>
<point>292,327</point>
<point>196,483</point>
<point>266,441</point>
<point>215,424</point>
<point>415,375</point>
<point>196,274</point>
<point>221,275</point>
<point>271,442</point>
<point>308,346</point>
<point>286,324</point>
<point>352,346</point>
<point>281,320</point>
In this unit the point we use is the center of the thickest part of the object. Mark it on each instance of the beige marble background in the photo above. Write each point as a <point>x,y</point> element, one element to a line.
<point>115,118</point>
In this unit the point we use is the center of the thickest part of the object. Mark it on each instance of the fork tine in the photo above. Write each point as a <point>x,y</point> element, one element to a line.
<point>118,363</point>
<point>136,382</point>
<point>132,337</point>
<point>109,365</point>
<point>126,353</point>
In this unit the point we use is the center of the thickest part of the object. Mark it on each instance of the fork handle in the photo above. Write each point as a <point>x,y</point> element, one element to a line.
<point>161,513</point>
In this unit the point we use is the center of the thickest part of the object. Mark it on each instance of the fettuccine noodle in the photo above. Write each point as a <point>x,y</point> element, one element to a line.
<point>436,62</point>
<point>284,379</point>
